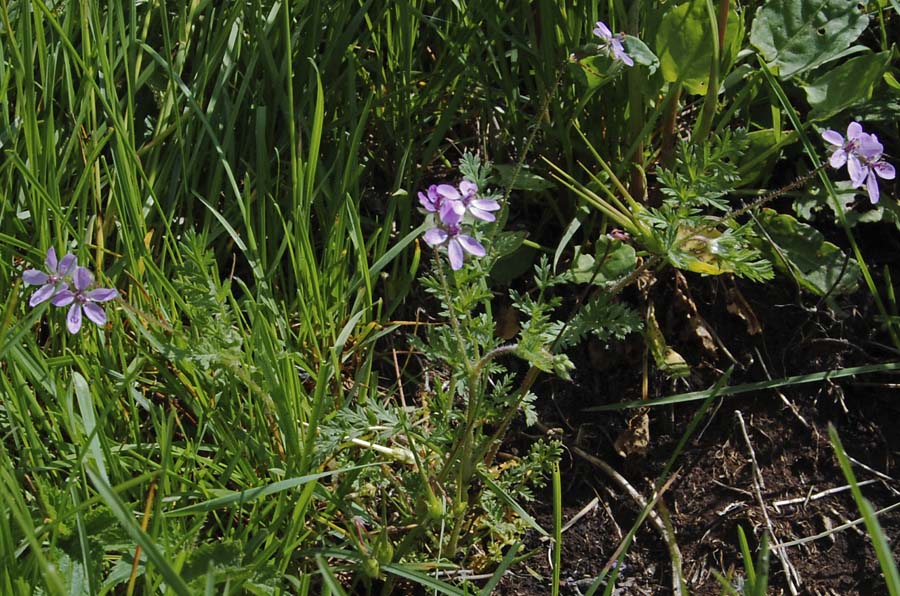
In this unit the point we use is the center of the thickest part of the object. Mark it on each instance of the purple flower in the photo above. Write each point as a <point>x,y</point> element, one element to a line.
<point>845,149</point>
<point>456,242</point>
<point>466,199</point>
<point>612,44</point>
<point>867,165</point>
<point>82,300</point>
<point>862,152</point>
<point>440,199</point>
<point>54,280</point>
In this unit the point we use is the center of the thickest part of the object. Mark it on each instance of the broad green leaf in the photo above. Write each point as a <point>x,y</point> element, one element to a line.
<point>696,251</point>
<point>891,81</point>
<point>845,85</point>
<point>801,250</point>
<point>72,572</point>
<point>684,44</point>
<point>797,35</point>
<point>525,179</point>
<point>641,54</point>
<point>618,260</point>
<point>506,243</point>
<point>595,71</point>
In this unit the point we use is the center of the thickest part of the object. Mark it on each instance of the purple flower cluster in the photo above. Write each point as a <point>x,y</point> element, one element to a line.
<point>55,287</point>
<point>864,157</point>
<point>612,45</point>
<point>448,206</point>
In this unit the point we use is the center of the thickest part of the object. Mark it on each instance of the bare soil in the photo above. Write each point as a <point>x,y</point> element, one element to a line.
<point>714,487</point>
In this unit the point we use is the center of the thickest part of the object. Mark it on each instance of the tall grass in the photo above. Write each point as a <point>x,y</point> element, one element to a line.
<point>242,173</point>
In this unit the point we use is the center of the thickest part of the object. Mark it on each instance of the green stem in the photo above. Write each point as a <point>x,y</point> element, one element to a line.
<point>701,131</point>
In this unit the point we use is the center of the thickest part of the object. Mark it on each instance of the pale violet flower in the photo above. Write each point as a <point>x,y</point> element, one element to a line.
<point>868,165</point>
<point>439,199</point>
<point>52,282</point>
<point>612,44</point>
<point>467,200</point>
<point>83,300</point>
<point>457,242</point>
<point>846,148</point>
<point>862,153</point>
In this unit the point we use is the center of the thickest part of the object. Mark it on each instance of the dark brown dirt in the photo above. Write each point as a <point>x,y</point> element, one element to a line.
<point>715,489</point>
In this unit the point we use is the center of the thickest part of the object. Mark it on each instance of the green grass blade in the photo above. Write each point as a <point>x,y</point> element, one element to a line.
<point>508,560</point>
<point>752,387</point>
<point>879,540</point>
<point>328,578</point>
<point>242,497</point>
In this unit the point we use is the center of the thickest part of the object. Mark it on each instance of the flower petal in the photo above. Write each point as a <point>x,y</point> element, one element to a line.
<point>869,147</point>
<point>448,192</point>
<point>33,277</point>
<point>857,171</point>
<point>872,189</point>
<point>42,294</point>
<point>73,319</point>
<point>884,170</point>
<point>472,246</point>
<point>95,314</point>
<point>101,294</point>
<point>455,253</point>
<point>481,214</point>
<point>63,298</point>
<point>468,188</point>
<point>854,129</point>
<point>618,52</point>
<point>452,212</point>
<point>833,137</point>
<point>426,202</point>
<point>602,31</point>
<point>434,237</point>
<point>838,159</point>
<point>485,204</point>
<point>67,264</point>
<point>51,261</point>
<point>83,279</point>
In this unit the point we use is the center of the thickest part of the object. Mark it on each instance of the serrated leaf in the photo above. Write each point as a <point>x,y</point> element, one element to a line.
<point>818,265</point>
<point>797,35</point>
<point>845,85</point>
<point>684,44</point>
<point>206,557</point>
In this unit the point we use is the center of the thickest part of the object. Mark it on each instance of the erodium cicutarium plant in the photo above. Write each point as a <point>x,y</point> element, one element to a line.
<point>863,155</point>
